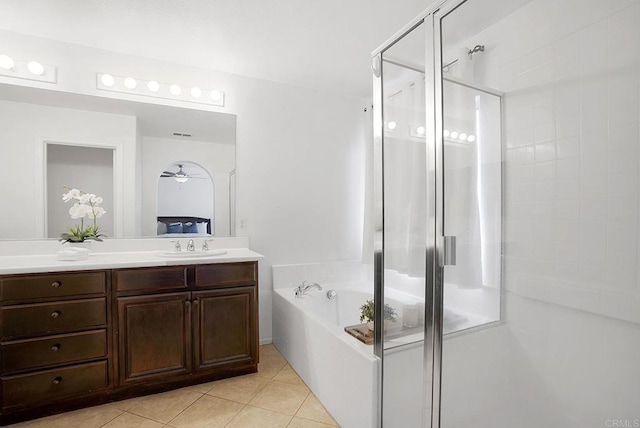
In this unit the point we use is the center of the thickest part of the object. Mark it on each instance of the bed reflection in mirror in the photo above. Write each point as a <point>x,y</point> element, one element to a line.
<point>186,206</point>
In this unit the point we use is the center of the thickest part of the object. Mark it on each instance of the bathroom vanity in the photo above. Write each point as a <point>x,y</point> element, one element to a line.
<point>81,336</point>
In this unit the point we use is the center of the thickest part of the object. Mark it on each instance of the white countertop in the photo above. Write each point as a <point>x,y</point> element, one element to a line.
<point>114,260</point>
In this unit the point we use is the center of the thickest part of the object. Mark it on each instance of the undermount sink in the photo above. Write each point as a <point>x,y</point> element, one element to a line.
<point>191,254</point>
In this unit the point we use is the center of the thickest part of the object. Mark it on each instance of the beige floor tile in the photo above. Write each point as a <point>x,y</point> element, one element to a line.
<point>314,410</point>
<point>254,417</point>
<point>202,388</point>
<point>288,375</point>
<point>270,361</point>
<point>297,422</point>
<point>241,389</point>
<point>91,417</point>
<point>281,397</point>
<point>129,420</point>
<point>125,404</point>
<point>207,412</point>
<point>165,406</point>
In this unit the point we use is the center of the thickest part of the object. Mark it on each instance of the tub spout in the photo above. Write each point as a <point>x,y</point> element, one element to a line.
<point>305,286</point>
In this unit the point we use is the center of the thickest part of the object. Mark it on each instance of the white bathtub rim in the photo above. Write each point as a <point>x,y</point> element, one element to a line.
<point>366,351</point>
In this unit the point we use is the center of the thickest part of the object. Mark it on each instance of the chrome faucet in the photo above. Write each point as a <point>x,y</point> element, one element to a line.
<point>304,287</point>
<point>191,246</point>
<point>176,246</point>
<point>205,245</point>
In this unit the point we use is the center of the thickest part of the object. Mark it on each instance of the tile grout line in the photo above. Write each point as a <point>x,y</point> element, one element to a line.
<point>183,410</point>
<point>123,412</point>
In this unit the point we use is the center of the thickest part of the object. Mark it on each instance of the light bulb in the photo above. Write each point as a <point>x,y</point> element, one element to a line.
<point>196,92</point>
<point>6,62</point>
<point>420,130</point>
<point>392,125</point>
<point>445,133</point>
<point>107,80</point>
<point>454,134</point>
<point>181,179</point>
<point>471,138</point>
<point>35,68</point>
<point>215,95</point>
<point>462,136</point>
<point>153,86</point>
<point>130,83</point>
<point>175,90</point>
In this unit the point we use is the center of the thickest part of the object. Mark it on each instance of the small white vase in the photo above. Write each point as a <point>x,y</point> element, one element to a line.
<point>85,244</point>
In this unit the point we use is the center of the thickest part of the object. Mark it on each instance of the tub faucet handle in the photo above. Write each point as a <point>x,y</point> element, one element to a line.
<point>176,246</point>
<point>191,246</point>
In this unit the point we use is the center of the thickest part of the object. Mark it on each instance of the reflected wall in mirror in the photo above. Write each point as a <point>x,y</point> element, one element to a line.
<point>145,140</point>
<point>70,164</point>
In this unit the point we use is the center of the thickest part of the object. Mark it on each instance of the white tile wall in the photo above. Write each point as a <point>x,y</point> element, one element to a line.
<point>570,70</point>
<point>572,115</point>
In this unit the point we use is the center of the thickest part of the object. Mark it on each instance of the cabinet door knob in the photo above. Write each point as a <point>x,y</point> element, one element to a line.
<point>55,314</point>
<point>187,303</point>
<point>55,347</point>
<point>57,380</point>
<point>196,302</point>
<point>56,284</point>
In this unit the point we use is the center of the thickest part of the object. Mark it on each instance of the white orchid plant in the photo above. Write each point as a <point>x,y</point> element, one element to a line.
<point>85,205</point>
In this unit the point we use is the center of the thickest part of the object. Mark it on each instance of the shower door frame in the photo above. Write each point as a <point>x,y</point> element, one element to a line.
<point>435,250</point>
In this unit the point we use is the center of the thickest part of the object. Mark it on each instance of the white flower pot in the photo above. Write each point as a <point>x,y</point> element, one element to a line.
<point>86,244</point>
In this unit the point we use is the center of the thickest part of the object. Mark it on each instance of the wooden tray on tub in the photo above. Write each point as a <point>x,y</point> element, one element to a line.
<point>361,332</point>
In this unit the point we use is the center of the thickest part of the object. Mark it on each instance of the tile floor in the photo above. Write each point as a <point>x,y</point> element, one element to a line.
<point>274,397</point>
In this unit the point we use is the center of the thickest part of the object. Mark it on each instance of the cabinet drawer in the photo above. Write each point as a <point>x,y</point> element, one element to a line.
<point>152,279</point>
<point>51,350</point>
<point>33,287</point>
<point>43,318</point>
<point>226,274</point>
<point>40,387</point>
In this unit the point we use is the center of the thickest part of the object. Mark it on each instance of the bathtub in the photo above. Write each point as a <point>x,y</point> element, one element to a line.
<point>340,370</point>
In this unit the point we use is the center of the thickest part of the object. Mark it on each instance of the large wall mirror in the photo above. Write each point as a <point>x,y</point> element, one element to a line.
<point>49,139</point>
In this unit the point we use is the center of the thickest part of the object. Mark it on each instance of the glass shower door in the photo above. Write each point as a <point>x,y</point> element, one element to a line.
<point>401,288</point>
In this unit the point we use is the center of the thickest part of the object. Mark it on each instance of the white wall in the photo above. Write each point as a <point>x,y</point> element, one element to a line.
<point>22,141</point>
<point>300,152</point>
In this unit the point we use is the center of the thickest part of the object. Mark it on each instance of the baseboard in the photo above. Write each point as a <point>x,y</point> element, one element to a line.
<point>266,341</point>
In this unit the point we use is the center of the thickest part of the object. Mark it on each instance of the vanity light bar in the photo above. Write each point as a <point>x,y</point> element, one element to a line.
<point>152,88</point>
<point>29,70</point>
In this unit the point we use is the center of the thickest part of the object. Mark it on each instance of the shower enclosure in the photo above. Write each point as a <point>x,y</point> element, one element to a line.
<point>507,162</point>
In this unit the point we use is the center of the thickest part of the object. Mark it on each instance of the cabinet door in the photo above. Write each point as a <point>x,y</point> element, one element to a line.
<point>154,336</point>
<point>225,327</point>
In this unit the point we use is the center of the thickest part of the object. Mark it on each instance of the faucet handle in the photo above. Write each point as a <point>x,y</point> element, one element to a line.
<point>205,245</point>
<point>176,245</point>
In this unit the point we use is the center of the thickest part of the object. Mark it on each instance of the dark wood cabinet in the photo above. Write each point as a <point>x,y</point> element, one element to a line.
<point>54,342</point>
<point>223,330</point>
<point>207,332</point>
<point>73,339</point>
<point>154,336</point>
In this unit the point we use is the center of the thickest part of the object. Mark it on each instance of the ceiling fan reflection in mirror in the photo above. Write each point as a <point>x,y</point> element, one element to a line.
<point>180,176</point>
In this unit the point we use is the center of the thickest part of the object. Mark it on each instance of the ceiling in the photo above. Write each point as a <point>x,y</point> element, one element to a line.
<point>324,45</point>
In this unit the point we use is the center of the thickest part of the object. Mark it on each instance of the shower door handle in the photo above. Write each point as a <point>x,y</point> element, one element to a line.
<point>449,251</point>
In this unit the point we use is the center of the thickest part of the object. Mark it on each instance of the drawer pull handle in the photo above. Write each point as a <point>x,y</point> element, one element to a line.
<point>57,380</point>
<point>56,284</point>
<point>55,314</point>
<point>55,347</point>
